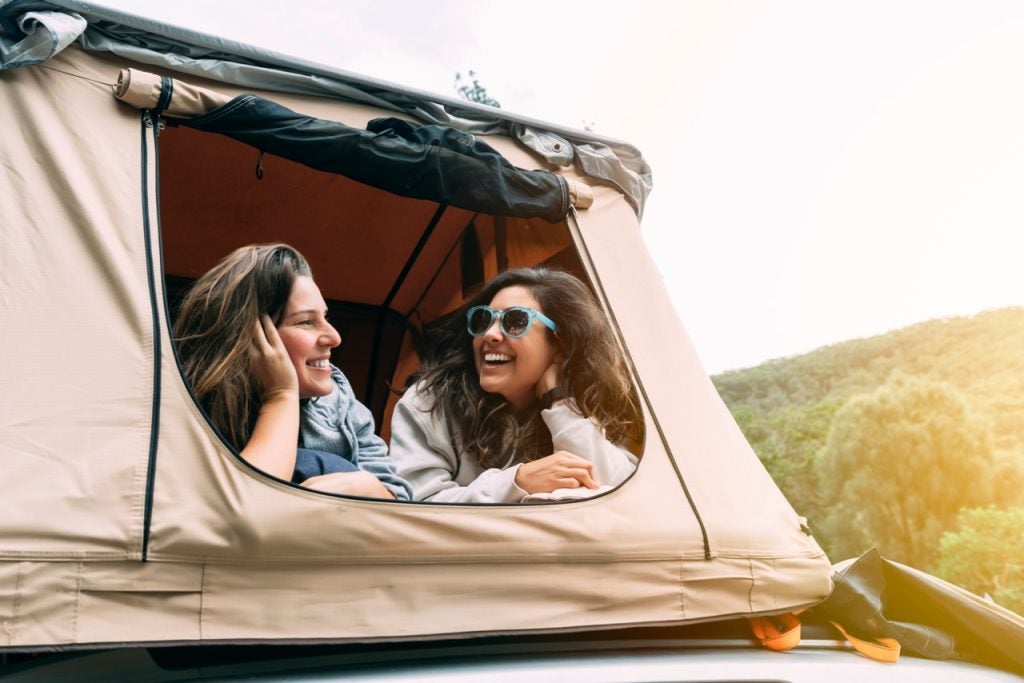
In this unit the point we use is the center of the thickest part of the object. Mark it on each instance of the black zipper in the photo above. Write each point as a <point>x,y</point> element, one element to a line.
<point>148,124</point>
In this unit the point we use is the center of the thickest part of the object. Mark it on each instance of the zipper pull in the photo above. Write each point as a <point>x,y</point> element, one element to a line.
<point>147,121</point>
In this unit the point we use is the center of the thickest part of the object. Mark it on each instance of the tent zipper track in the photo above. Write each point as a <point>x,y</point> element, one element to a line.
<point>573,218</point>
<point>149,124</point>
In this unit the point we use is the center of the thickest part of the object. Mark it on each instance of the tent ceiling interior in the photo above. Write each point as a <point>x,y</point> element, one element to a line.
<point>212,201</point>
<point>376,256</point>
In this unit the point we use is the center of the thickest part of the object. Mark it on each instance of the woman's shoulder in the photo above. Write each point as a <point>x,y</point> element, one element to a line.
<point>418,417</point>
<point>418,396</point>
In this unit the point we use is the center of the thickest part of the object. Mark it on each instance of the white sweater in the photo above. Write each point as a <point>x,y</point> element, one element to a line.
<point>421,447</point>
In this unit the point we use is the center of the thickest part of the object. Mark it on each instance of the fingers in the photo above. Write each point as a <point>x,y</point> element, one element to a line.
<point>270,332</point>
<point>580,470</point>
<point>583,477</point>
<point>266,340</point>
<point>259,339</point>
<point>567,459</point>
<point>556,471</point>
<point>260,336</point>
<point>267,337</point>
<point>577,477</point>
<point>269,360</point>
<point>569,470</point>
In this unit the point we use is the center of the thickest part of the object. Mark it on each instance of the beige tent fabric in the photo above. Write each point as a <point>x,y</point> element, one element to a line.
<point>707,445</point>
<point>141,90</point>
<point>76,330</point>
<point>235,556</point>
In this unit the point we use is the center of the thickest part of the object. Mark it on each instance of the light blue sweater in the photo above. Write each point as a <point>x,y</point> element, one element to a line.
<point>338,423</point>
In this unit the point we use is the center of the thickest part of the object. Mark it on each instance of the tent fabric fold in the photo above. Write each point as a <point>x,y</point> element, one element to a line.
<point>37,36</point>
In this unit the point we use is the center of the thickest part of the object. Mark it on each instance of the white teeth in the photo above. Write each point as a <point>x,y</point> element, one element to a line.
<point>318,363</point>
<point>496,357</point>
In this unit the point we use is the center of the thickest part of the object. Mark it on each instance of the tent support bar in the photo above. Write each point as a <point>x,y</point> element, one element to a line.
<point>371,374</point>
<point>437,272</point>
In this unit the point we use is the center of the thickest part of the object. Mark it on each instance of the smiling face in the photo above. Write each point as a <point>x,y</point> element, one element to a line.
<point>309,338</point>
<point>512,367</point>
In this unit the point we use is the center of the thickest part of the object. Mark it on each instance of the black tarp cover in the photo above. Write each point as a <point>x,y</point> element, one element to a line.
<point>421,161</point>
<point>875,597</point>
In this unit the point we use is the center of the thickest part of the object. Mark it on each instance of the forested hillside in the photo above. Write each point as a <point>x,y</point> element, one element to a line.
<point>912,441</point>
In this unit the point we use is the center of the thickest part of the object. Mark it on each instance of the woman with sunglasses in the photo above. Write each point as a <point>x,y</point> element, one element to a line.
<point>527,393</point>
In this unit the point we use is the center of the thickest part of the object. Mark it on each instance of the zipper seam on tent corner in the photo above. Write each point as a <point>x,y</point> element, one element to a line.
<point>148,124</point>
<point>581,246</point>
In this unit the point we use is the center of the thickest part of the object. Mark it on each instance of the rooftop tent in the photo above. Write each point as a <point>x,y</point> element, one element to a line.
<point>123,516</point>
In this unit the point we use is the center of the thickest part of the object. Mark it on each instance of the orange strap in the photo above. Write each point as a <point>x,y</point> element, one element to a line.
<point>881,649</point>
<point>782,632</point>
<point>779,633</point>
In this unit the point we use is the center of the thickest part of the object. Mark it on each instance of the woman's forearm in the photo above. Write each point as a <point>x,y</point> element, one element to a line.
<point>572,432</point>
<point>274,439</point>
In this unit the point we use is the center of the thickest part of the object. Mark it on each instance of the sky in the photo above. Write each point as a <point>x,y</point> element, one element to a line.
<point>823,170</point>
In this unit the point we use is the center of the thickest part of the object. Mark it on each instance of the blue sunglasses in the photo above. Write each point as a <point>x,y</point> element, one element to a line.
<point>515,320</point>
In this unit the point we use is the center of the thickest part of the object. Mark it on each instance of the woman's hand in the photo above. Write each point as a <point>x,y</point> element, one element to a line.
<point>271,363</point>
<point>561,470</point>
<point>271,446</point>
<point>549,380</point>
<point>350,484</point>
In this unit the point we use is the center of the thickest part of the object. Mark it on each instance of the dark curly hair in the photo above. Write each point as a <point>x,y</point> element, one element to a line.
<point>593,370</point>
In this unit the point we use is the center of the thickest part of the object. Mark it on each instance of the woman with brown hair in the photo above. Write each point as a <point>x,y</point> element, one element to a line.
<point>530,395</point>
<point>255,345</point>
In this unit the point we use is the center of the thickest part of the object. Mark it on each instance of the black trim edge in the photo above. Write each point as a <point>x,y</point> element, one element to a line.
<point>149,124</point>
<point>371,375</point>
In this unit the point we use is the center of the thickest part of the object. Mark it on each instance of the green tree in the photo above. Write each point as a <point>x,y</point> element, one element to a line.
<point>898,465</point>
<point>786,440</point>
<point>469,89</point>
<point>986,555</point>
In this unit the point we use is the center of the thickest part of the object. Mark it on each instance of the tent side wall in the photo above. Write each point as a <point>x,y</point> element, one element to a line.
<point>77,332</point>
<point>234,555</point>
<point>705,443</point>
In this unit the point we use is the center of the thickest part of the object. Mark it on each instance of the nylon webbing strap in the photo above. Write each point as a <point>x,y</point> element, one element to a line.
<point>166,91</point>
<point>880,649</point>
<point>779,633</point>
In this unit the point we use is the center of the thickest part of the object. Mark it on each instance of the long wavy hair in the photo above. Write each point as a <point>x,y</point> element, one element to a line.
<point>593,370</point>
<point>213,331</point>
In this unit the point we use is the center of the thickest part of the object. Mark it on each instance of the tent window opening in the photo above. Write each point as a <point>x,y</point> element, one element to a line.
<point>384,283</point>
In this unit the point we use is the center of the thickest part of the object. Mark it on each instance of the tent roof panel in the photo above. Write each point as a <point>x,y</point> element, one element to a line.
<point>159,44</point>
